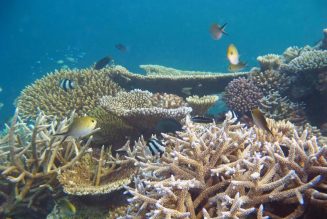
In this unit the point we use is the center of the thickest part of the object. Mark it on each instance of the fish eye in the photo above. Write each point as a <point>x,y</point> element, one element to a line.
<point>92,121</point>
<point>231,53</point>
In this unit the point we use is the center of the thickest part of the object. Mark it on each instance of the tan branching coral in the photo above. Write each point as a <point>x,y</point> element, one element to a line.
<point>93,177</point>
<point>269,62</point>
<point>200,105</point>
<point>229,172</point>
<point>315,60</point>
<point>143,109</point>
<point>46,95</point>
<point>174,83</point>
<point>270,80</point>
<point>277,107</point>
<point>35,156</point>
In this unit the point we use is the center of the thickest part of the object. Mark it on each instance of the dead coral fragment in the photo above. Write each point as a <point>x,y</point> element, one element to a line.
<point>231,173</point>
<point>46,95</point>
<point>200,105</point>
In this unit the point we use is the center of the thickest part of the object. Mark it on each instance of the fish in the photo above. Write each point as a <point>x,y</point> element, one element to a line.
<point>102,62</point>
<point>80,127</point>
<point>238,67</point>
<point>232,54</point>
<point>202,119</point>
<point>66,84</point>
<point>121,47</point>
<point>156,146</point>
<point>260,120</point>
<point>217,31</point>
<point>187,90</point>
<point>167,126</point>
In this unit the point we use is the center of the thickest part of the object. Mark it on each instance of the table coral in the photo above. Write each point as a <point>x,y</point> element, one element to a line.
<point>201,105</point>
<point>46,95</point>
<point>143,109</point>
<point>230,172</point>
<point>269,62</point>
<point>34,158</point>
<point>242,95</point>
<point>174,83</point>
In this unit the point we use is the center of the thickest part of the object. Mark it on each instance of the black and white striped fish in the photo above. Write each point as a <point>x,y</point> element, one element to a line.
<point>67,84</point>
<point>156,146</point>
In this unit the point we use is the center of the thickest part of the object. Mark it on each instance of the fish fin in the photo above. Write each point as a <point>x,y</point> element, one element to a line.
<point>222,29</point>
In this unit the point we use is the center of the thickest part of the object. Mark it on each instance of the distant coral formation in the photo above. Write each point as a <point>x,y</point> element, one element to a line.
<point>231,172</point>
<point>242,95</point>
<point>46,95</point>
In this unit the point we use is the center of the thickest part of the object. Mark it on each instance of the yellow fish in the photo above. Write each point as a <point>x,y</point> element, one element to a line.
<point>238,67</point>
<point>232,55</point>
<point>80,127</point>
<point>260,120</point>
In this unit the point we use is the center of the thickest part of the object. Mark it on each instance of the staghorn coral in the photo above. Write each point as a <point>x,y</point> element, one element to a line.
<point>46,95</point>
<point>315,60</point>
<point>34,158</point>
<point>174,84</point>
<point>97,176</point>
<point>230,172</point>
<point>270,80</point>
<point>242,95</point>
<point>281,108</point>
<point>200,105</point>
<point>143,109</point>
<point>269,62</point>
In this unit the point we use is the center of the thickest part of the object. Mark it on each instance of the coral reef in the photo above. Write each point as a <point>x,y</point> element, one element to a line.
<point>315,60</point>
<point>142,109</point>
<point>293,52</point>
<point>277,107</point>
<point>33,158</point>
<point>270,80</point>
<point>200,105</point>
<point>46,95</point>
<point>103,176</point>
<point>242,95</point>
<point>229,171</point>
<point>269,62</point>
<point>322,82</point>
<point>174,84</point>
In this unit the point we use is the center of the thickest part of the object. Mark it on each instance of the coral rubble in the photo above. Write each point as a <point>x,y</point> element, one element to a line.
<point>230,171</point>
<point>242,95</point>
<point>46,95</point>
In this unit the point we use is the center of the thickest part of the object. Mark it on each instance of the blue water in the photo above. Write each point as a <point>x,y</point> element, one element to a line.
<point>35,34</point>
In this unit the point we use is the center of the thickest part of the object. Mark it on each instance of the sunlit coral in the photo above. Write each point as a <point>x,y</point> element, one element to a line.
<point>201,105</point>
<point>269,62</point>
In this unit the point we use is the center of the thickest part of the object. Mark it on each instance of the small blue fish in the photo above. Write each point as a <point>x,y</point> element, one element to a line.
<point>67,84</point>
<point>156,146</point>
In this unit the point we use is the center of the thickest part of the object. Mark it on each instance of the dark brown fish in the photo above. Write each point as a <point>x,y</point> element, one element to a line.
<point>260,120</point>
<point>217,31</point>
<point>102,62</point>
<point>121,47</point>
<point>202,119</point>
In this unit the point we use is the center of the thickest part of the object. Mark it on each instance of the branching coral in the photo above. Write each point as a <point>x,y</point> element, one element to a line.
<point>231,172</point>
<point>315,60</point>
<point>46,95</point>
<point>292,52</point>
<point>143,109</point>
<point>270,80</point>
<point>281,108</point>
<point>34,157</point>
<point>269,62</point>
<point>201,105</point>
<point>242,95</point>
